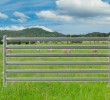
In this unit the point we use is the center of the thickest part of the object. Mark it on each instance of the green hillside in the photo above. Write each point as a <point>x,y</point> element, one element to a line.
<point>34,32</point>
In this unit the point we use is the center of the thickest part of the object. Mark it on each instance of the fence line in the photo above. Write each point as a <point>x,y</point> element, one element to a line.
<point>65,63</point>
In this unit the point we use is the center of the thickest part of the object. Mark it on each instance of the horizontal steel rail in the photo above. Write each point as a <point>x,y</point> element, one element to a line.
<point>57,55</point>
<point>58,79</point>
<point>56,47</point>
<point>57,38</point>
<point>57,63</point>
<point>56,71</point>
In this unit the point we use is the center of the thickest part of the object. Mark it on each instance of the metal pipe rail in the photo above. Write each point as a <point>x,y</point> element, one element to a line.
<point>59,79</point>
<point>57,39</point>
<point>57,55</point>
<point>56,71</point>
<point>67,71</point>
<point>56,63</point>
<point>57,47</point>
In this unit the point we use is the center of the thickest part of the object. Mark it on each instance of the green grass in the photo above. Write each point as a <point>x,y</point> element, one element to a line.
<point>55,90</point>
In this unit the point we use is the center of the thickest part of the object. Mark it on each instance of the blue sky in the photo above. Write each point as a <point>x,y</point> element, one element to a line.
<point>66,16</point>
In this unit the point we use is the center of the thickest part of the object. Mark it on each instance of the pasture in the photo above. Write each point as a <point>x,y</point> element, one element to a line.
<point>55,90</point>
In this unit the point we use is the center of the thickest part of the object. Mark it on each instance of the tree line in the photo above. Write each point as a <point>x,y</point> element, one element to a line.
<point>93,34</point>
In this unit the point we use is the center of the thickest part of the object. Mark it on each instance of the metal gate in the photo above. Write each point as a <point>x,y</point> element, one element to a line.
<point>32,39</point>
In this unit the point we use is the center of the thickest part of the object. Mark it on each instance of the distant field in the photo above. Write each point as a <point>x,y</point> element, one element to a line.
<point>55,90</point>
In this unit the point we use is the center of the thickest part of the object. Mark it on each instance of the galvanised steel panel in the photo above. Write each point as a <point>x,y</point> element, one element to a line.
<point>95,71</point>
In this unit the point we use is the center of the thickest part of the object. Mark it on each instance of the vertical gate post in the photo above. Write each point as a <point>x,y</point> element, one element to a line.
<point>109,62</point>
<point>4,60</point>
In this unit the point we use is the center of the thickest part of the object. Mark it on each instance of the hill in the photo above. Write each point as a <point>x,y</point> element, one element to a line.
<point>30,32</point>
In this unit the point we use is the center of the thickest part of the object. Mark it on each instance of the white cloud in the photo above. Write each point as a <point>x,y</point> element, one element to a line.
<point>19,20</point>
<point>21,17</point>
<point>97,20</point>
<point>84,8</point>
<point>54,16</point>
<point>3,16</point>
<point>15,28</point>
<point>12,28</point>
<point>43,27</point>
<point>20,14</point>
<point>82,11</point>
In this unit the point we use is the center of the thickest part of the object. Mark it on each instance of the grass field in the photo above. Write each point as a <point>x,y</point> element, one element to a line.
<point>55,90</point>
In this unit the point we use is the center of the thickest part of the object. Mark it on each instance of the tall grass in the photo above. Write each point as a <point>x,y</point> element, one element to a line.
<point>55,90</point>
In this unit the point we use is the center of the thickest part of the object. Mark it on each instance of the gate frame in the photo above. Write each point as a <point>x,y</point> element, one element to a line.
<point>5,63</point>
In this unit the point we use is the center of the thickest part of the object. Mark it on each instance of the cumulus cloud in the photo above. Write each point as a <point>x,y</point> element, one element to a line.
<point>16,28</point>
<point>12,28</point>
<point>97,20</point>
<point>19,14</point>
<point>3,16</point>
<point>43,27</point>
<point>21,17</point>
<point>84,8</point>
<point>79,11</point>
<point>54,16</point>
